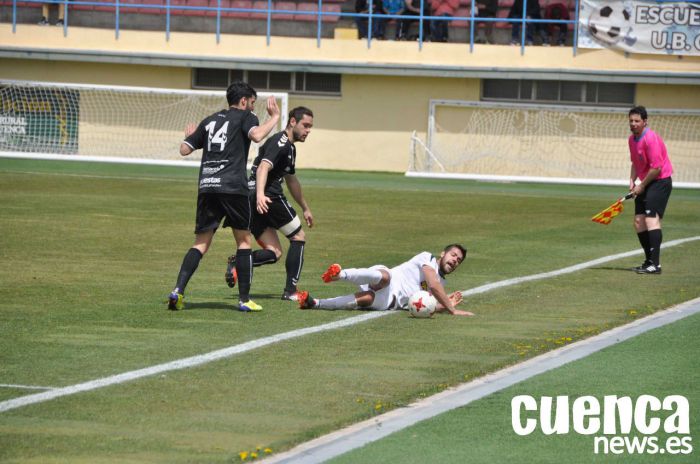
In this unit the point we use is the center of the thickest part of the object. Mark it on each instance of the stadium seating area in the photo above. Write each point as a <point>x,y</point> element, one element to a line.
<point>293,17</point>
<point>301,10</point>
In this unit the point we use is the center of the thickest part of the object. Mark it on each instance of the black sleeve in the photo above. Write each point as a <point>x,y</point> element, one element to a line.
<point>197,138</point>
<point>250,120</point>
<point>274,153</point>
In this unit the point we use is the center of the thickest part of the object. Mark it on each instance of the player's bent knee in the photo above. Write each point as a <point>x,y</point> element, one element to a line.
<point>653,222</point>
<point>298,237</point>
<point>386,278</point>
<point>277,252</point>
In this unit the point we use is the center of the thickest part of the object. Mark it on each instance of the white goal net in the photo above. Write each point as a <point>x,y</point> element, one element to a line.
<point>546,143</point>
<point>108,122</point>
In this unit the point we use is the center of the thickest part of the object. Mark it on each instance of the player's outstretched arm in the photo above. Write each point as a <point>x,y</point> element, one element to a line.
<point>294,187</point>
<point>456,298</point>
<point>446,303</point>
<point>258,133</point>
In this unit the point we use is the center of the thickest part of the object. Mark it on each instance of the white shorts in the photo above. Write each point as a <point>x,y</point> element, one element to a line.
<point>385,298</point>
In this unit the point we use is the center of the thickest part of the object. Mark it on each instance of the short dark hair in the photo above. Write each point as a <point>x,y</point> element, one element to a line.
<point>458,246</point>
<point>238,90</point>
<point>298,113</point>
<point>640,110</point>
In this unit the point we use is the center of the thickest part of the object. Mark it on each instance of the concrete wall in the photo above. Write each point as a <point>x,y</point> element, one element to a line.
<point>669,96</point>
<point>369,128</point>
<point>78,72</point>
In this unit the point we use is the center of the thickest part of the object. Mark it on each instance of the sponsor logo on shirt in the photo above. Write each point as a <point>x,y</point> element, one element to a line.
<point>210,182</point>
<point>212,170</point>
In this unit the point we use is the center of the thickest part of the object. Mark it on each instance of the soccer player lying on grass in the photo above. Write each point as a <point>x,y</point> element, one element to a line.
<point>382,288</point>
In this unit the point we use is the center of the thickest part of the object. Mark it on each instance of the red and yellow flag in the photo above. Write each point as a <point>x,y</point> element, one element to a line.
<point>607,215</point>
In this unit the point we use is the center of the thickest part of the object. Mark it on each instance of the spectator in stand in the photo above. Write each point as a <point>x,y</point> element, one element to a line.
<point>446,9</point>
<point>362,6</point>
<point>533,12</point>
<point>486,9</point>
<point>45,14</point>
<point>412,8</point>
<point>556,10</point>
<point>393,7</point>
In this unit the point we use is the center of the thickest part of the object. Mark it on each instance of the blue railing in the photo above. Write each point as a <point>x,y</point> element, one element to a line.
<point>167,7</point>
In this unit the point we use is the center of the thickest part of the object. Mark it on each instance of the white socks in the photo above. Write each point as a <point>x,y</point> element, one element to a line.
<point>339,302</point>
<point>361,276</point>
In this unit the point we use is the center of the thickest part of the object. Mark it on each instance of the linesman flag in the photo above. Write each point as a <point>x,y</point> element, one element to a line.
<point>607,215</point>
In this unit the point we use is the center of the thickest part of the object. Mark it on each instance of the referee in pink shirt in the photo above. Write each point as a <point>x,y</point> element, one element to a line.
<point>650,164</point>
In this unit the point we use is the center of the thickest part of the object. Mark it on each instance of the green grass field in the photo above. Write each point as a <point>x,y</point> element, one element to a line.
<point>90,252</point>
<point>661,362</point>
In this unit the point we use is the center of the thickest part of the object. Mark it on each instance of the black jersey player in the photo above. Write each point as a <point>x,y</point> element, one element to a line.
<point>224,138</point>
<point>275,165</point>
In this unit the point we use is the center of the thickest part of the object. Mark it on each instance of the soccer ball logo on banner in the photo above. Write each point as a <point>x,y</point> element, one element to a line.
<point>612,24</point>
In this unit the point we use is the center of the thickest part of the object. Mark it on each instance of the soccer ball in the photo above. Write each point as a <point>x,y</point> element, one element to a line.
<point>422,304</point>
<point>610,24</point>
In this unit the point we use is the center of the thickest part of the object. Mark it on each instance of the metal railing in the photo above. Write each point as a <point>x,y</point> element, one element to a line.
<point>167,7</point>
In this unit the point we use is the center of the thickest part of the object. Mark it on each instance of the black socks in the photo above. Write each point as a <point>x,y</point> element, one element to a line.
<point>293,264</point>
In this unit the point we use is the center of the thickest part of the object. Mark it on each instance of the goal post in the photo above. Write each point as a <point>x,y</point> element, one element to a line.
<point>545,143</point>
<point>108,123</point>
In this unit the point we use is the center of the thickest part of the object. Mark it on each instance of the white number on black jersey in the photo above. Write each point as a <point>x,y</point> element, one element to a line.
<point>218,137</point>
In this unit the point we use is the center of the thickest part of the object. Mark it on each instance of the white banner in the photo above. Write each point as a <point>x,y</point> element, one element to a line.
<point>662,27</point>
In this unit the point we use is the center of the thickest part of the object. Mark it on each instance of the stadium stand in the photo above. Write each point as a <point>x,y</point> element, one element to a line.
<point>237,4</point>
<point>296,19</point>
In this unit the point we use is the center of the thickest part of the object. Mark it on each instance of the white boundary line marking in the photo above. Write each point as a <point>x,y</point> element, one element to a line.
<point>570,269</point>
<point>357,435</point>
<point>25,387</point>
<point>181,363</point>
<point>98,159</point>
<point>259,343</point>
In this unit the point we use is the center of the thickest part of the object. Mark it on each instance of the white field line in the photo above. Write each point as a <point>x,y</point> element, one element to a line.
<point>25,387</point>
<point>259,343</point>
<point>357,435</point>
<point>98,159</point>
<point>182,363</point>
<point>570,269</point>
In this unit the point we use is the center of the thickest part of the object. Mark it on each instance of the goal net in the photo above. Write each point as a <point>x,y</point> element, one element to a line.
<point>108,122</point>
<point>546,143</point>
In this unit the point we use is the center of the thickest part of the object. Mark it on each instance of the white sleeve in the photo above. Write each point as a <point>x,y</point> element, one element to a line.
<point>424,259</point>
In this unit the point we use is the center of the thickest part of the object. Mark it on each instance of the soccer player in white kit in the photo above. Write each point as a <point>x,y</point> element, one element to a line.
<point>382,288</point>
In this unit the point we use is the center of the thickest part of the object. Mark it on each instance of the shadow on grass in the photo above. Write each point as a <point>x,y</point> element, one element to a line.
<point>210,305</point>
<point>614,268</point>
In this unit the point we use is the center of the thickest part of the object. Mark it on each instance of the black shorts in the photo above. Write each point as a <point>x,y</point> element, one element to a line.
<point>212,207</point>
<point>654,198</point>
<point>280,215</point>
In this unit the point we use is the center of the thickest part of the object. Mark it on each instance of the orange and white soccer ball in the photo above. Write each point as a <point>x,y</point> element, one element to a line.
<point>422,304</point>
